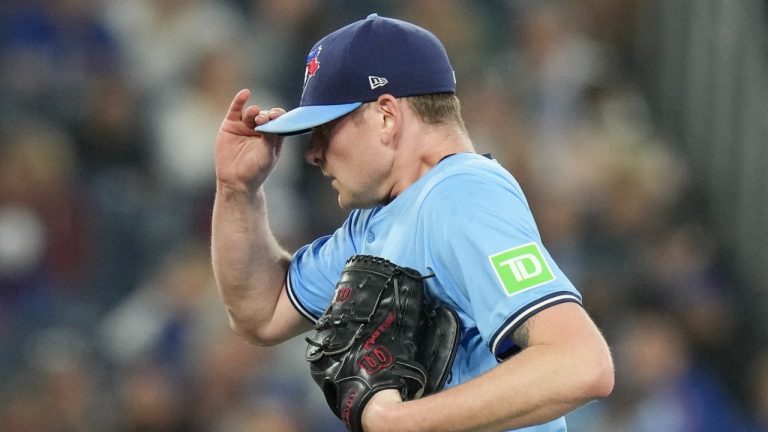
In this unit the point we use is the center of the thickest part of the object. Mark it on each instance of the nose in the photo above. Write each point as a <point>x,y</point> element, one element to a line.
<point>314,153</point>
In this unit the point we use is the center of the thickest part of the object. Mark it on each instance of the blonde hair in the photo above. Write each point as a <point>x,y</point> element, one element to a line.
<point>437,108</point>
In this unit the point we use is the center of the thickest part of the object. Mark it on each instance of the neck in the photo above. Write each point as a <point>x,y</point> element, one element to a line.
<point>438,142</point>
<point>420,152</point>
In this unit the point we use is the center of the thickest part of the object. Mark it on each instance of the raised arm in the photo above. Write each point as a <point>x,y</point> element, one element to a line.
<point>249,265</point>
<point>564,364</point>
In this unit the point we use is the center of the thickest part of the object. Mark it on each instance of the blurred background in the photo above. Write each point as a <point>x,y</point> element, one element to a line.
<point>637,129</point>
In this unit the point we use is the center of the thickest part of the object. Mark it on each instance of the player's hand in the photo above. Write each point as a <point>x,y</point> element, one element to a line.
<point>245,157</point>
<point>375,417</point>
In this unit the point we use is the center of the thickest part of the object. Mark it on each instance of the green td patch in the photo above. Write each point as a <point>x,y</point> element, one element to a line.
<point>521,268</point>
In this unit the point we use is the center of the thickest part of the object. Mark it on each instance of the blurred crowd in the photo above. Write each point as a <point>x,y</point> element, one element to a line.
<point>109,315</point>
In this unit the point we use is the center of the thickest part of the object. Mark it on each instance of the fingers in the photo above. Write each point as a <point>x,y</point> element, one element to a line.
<point>265,116</point>
<point>249,116</point>
<point>252,116</point>
<point>236,107</point>
<point>275,113</point>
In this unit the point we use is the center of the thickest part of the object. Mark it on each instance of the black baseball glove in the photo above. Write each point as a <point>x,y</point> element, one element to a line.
<point>380,332</point>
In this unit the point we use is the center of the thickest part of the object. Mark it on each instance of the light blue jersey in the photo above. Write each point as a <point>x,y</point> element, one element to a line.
<point>467,222</point>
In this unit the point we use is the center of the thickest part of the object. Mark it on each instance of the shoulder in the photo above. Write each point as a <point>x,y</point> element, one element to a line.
<point>469,183</point>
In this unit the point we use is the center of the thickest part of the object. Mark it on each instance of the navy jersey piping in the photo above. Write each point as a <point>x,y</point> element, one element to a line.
<point>303,311</point>
<point>515,320</point>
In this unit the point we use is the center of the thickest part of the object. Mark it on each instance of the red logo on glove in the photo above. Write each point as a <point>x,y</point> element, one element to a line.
<point>388,320</point>
<point>347,407</point>
<point>378,359</point>
<point>342,294</point>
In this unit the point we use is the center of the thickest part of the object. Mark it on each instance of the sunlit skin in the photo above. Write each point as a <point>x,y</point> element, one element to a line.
<point>378,150</point>
<point>349,152</point>
<point>245,157</point>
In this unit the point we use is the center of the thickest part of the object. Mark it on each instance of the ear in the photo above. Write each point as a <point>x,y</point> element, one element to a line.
<point>389,110</point>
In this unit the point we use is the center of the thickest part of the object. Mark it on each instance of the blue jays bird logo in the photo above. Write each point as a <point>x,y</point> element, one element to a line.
<point>312,64</point>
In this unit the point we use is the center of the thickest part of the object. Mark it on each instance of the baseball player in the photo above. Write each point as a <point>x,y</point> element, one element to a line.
<point>379,100</point>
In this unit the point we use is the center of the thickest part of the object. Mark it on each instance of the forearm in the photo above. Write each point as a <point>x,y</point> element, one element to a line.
<point>248,263</point>
<point>532,388</point>
<point>564,364</point>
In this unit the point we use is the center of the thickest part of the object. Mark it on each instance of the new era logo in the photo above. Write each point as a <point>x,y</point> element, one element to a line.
<point>375,81</point>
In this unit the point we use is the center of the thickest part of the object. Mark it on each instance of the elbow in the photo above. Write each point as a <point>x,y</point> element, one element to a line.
<point>599,376</point>
<point>252,332</point>
<point>602,384</point>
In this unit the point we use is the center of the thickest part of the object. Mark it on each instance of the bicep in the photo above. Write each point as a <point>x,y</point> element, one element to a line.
<point>560,324</point>
<point>567,331</point>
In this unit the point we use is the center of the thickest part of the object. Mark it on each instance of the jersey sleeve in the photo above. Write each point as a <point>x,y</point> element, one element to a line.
<point>315,268</point>
<point>482,236</point>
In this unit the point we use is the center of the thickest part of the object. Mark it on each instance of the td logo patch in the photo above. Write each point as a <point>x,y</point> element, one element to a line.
<point>521,268</point>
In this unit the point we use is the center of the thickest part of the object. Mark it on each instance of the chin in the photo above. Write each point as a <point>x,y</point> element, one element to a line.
<point>347,203</point>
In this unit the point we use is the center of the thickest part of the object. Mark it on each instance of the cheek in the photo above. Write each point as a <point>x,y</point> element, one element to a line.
<point>358,158</point>
<point>363,161</point>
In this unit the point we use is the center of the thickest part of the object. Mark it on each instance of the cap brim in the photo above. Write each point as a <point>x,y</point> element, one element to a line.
<point>302,119</point>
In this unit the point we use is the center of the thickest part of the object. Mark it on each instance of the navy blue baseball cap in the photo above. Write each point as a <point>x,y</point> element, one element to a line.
<point>360,62</point>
